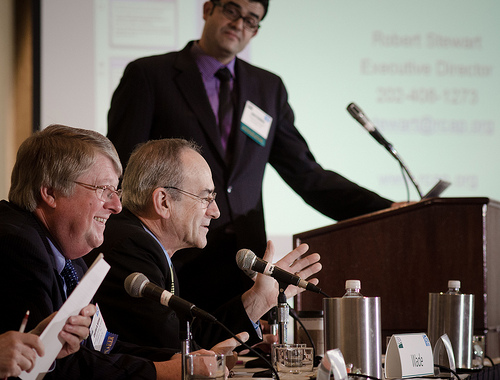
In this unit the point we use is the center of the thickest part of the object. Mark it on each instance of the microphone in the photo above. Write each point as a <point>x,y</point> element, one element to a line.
<point>362,119</point>
<point>248,261</point>
<point>359,115</point>
<point>138,285</point>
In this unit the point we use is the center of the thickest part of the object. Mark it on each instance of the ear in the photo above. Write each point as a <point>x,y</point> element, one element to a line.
<point>162,202</point>
<point>48,196</point>
<point>208,8</point>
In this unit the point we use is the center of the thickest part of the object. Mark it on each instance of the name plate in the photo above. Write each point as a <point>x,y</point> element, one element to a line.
<point>409,355</point>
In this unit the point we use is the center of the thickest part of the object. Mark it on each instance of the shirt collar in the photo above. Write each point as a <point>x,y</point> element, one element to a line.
<point>58,256</point>
<point>207,64</point>
<point>164,250</point>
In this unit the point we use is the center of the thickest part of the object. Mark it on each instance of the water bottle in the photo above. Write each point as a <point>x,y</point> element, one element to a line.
<point>352,288</point>
<point>453,287</point>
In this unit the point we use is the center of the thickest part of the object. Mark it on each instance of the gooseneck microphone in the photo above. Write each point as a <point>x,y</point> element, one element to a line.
<point>360,116</point>
<point>248,261</point>
<point>138,285</point>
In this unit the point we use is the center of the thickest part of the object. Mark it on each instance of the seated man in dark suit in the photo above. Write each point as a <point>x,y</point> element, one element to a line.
<point>169,202</point>
<point>63,190</point>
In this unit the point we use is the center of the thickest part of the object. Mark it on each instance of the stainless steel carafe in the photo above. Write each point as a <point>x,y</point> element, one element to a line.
<point>453,314</point>
<point>354,326</point>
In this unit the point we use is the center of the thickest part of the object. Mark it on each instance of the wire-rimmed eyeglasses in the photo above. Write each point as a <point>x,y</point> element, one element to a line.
<point>207,201</point>
<point>104,193</point>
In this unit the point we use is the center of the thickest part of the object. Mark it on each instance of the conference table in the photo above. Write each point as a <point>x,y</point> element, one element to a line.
<point>239,372</point>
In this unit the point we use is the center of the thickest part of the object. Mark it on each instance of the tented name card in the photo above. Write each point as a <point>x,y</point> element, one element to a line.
<point>409,355</point>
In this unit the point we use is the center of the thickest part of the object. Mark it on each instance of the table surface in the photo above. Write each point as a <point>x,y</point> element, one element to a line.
<point>241,373</point>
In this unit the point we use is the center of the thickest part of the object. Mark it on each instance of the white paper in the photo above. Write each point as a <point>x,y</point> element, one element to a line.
<point>79,298</point>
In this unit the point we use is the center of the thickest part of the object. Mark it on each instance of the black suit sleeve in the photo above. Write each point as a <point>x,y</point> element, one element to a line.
<point>90,364</point>
<point>28,281</point>
<point>325,190</point>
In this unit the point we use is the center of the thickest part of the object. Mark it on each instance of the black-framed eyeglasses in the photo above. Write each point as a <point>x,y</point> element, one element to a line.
<point>207,201</point>
<point>104,193</point>
<point>231,12</point>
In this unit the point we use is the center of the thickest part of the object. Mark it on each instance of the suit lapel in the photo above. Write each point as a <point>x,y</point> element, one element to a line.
<point>169,271</point>
<point>191,87</point>
<point>245,87</point>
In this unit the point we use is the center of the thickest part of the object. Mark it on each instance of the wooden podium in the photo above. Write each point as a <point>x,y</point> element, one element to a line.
<point>401,255</point>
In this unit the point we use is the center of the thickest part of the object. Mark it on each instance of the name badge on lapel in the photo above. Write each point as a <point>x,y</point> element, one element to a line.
<point>101,338</point>
<point>255,123</point>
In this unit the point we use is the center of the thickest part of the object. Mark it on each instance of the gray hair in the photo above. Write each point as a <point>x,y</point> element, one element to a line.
<point>153,164</point>
<point>55,157</point>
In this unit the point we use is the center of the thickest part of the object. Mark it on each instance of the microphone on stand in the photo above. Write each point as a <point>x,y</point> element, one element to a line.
<point>248,262</point>
<point>138,285</point>
<point>359,115</point>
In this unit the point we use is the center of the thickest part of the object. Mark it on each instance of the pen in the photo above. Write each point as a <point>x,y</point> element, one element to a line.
<point>24,322</point>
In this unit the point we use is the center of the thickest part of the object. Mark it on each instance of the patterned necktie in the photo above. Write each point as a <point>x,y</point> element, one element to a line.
<point>225,113</point>
<point>70,277</point>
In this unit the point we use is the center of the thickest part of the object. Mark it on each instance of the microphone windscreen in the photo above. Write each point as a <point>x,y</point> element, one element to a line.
<point>245,258</point>
<point>134,283</point>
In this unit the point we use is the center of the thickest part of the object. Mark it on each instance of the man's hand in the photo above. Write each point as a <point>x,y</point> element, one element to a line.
<point>18,353</point>
<point>74,331</point>
<point>227,347</point>
<point>267,341</point>
<point>304,267</point>
<point>264,293</point>
<point>172,369</point>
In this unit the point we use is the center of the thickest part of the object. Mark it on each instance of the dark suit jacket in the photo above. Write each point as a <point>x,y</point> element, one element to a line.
<point>164,96</point>
<point>29,281</point>
<point>129,248</point>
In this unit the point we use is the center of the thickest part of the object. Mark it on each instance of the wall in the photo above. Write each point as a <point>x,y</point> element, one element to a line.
<point>16,82</point>
<point>6,91</point>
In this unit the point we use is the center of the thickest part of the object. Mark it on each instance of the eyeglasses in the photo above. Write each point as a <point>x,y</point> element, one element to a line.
<point>231,12</point>
<point>206,201</point>
<point>104,193</point>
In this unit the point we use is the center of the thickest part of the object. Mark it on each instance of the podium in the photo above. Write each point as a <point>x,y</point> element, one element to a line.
<point>401,255</point>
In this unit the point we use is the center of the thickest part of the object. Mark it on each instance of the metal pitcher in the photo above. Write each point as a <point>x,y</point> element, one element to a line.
<point>453,314</point>
<point>354,326</point>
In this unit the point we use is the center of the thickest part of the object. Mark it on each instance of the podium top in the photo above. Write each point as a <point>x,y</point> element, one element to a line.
<point>391,212</point>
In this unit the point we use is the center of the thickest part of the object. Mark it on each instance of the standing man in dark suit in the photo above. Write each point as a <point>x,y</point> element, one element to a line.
<point>177,95</point>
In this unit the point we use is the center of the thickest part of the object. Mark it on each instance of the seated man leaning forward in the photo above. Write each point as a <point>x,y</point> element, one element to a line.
<point>63,190</point>
<point>169,201</point>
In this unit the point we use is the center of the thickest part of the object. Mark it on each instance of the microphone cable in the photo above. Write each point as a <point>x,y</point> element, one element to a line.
<point>276,376</point>
<point>296,317</point>
<point>443,368</point>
